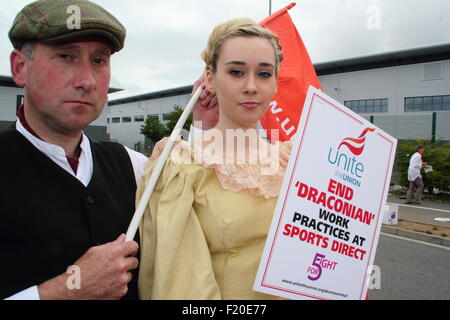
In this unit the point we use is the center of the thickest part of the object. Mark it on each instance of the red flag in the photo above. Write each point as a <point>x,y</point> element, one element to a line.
<point>296,75</point>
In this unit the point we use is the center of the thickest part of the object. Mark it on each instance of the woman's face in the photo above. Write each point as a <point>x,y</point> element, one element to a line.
<point>244,81</point>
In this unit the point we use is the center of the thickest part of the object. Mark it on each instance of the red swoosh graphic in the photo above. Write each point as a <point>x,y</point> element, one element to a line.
<point>365,131</point>
<point>356,150</point>
<point>359,141</point>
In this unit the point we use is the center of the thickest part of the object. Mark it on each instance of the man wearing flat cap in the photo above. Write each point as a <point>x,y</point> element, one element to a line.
<point>65,200</point>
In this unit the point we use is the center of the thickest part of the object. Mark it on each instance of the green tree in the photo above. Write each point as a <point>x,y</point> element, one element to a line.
<point>439,158</point>
<point>155,130</point>
<point>172,119</point>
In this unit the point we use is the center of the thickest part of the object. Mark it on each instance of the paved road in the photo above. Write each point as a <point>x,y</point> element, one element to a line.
<point>411,270</point>
<point>424,213</point>
<point>425,203</point>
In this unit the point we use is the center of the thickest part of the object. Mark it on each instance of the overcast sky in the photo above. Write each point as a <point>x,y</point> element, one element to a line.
<point>165,37</point>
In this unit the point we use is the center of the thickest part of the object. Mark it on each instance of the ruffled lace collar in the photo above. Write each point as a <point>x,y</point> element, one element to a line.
<point>260,172</point>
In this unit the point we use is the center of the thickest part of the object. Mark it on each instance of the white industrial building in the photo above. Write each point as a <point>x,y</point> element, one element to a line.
<point>406,93</point>
<point>127,115</point>
<point>10,99</point>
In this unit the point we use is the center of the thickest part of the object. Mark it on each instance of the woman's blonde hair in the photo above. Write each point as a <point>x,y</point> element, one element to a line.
<point>242,27</point>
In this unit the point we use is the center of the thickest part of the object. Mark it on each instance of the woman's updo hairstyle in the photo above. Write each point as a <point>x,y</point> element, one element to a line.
<point>242,27</point>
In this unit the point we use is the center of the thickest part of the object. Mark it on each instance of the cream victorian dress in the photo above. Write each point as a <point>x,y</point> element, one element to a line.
<point>204,229</point>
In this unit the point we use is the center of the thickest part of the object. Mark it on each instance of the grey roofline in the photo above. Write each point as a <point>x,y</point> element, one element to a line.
<point>429,53</point>
<point>153,95</point>
<point>7,81</point>
<point>112,90</point>
<point>423,54</point>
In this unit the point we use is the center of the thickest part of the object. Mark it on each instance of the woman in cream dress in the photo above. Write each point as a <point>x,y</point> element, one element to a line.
<point>205,226</point>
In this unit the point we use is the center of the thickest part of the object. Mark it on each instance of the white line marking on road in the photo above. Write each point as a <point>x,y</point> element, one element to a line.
<point>416,241</point>
<point>407,205</point>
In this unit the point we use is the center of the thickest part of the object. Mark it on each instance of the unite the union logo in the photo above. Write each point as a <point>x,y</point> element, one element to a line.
<point>353,169</point>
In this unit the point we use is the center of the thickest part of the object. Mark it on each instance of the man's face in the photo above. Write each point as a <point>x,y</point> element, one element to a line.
<point>66,85</point>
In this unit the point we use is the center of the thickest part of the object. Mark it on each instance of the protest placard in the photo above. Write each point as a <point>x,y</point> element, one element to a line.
<point>327,222</point>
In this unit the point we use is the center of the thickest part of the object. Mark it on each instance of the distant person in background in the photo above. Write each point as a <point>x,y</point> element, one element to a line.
<point>415,179</point>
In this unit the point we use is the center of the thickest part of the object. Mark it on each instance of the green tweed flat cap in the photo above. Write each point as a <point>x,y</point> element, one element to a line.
<point>54,21</point>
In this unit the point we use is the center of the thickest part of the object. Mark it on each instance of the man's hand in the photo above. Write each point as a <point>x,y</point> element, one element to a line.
<point>206,110</point>
<point>104,273</point>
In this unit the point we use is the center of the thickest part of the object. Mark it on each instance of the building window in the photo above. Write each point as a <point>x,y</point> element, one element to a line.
<point>107,120</point>
<point>154,116</point>
<point>429,103</point>
<point>115,120</point>
<point>139,118</point>
<point>126,119</point>
<point>432,71</point>
<point>367,105</point>
<point>19,101</point>
<point>166,116</point>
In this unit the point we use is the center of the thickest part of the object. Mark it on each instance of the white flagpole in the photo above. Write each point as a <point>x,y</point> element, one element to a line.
<point>134,225</point>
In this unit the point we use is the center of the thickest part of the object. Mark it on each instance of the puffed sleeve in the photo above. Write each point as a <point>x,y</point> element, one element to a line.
<point>175,260</point>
